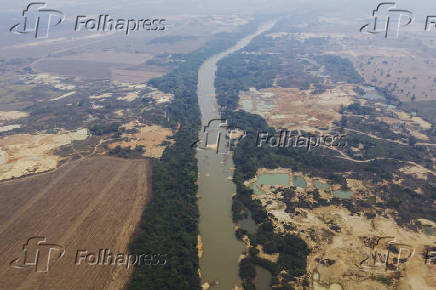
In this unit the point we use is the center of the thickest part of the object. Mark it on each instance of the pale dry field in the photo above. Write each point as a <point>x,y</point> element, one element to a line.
<point>293,108</point>
<point>87,205</point>
<point>24,154</point>
<point>12,115</point>
<point>151,137</point>
<point>413,75</point>
<point>136,76</point>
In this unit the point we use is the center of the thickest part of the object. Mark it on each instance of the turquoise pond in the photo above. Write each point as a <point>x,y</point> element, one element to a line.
<point>428,230</point>
<point>345,194</point>
<point>270,179</point>
<point>299,181</point>
<point>320,185</point>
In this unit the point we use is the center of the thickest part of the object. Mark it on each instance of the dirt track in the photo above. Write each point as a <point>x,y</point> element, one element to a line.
<point>87,205</point>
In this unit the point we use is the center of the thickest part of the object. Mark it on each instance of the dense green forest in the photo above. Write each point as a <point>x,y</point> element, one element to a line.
<point>340,69</point>
<point>170,222</point>
<point>244,71</point>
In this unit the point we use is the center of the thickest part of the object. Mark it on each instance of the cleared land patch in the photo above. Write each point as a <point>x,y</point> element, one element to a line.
<point>150,137</point>
<point>293,108</point>
<point>24,154</point>
<point>87,205</point>
<point>12,115</point>
<point>349,249</point>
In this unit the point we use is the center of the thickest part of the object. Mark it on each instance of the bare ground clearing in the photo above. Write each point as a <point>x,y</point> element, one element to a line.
<point>87,205</point>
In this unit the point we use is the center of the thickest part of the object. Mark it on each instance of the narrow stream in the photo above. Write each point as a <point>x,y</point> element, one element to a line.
<point>221,249</point>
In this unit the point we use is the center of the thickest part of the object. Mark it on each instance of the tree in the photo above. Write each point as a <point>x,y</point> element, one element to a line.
<point>412,141</point>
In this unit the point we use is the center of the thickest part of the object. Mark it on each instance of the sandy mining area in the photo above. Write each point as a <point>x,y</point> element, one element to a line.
<point>350,247</point>
<point>24,154</point>
<point>12,115</point>
<point>151,137</point>
<point>86,205</point>
<point>293,108</point>
<point>341,242</point>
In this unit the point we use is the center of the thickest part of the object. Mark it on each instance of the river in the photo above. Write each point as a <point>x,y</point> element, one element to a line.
<point>221,249</point>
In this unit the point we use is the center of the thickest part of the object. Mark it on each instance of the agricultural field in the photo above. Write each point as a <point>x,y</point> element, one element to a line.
<point>88,204</point>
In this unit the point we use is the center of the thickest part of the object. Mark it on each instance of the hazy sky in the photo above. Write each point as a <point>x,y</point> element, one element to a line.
<point>167,7</point>
<point>354,10</point>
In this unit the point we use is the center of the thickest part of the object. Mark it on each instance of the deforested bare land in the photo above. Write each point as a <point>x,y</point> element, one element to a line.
<point>86,205</point>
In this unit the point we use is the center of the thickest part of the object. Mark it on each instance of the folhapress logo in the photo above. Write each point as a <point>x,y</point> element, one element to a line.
<point>388,19</point>
<point>38,19</point>
<point>38,254</point>
<point>217,136</point>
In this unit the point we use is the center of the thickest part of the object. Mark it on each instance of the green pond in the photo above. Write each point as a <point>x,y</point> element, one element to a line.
<point>428,230</point>
<point>345,194</point>
<point>320,185</point>
<point>270,179</point>
<point>299,181</point>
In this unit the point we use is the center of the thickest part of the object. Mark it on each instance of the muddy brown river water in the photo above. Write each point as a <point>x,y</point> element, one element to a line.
<point>221,249</point>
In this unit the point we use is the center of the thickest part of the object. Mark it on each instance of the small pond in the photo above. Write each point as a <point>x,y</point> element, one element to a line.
<point>270,179</point>
<point>299,181</point>
<point>344,194</point>
<point>320,185</point>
